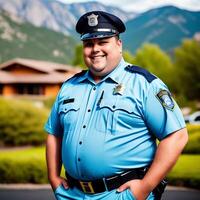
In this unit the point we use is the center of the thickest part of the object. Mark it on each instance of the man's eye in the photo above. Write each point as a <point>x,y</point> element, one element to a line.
<point>88,44</point>
<point>103,42</point>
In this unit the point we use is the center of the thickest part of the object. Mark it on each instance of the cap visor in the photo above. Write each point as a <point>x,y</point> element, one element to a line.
<point>88,36</point>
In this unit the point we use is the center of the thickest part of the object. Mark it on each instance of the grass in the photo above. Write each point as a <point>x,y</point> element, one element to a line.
<point>23,154</point>
<point>187,167</point>
<point>186,172</point>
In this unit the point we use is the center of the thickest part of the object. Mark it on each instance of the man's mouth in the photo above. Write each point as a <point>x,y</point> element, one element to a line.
<point>96,57</point>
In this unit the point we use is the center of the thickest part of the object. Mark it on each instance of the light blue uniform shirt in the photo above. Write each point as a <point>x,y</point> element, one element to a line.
<point>111,126</point>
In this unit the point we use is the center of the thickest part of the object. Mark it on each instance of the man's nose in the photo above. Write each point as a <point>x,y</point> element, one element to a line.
<point>95,48</point>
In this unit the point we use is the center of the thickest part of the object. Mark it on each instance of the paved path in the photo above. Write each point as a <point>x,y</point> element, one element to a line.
<point>43,192</point>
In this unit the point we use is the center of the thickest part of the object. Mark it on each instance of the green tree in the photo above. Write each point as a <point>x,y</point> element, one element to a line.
<point>187,65</point>
<point>78,57</point>
<point>128,57</point>
<point>152,58</point>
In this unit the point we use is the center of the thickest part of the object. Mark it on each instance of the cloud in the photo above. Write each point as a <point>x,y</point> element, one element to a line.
<point>143,5</point>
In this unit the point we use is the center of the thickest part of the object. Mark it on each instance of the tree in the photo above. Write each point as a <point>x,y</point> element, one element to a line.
<point>151,57</point>
<point>128,57</point>
<point>187,65</point>
<point>78,57</point>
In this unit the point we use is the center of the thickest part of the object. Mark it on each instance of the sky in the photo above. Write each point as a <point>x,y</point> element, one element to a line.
<point>143,5</point>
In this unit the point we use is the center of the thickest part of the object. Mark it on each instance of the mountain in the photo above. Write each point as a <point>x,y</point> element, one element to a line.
<point>29,24</point>
<point>19,39</point>
<point>166,26</point>
<point>55,15</point>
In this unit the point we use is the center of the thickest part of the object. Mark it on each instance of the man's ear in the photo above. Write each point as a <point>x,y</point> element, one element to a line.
<point>119,42</point>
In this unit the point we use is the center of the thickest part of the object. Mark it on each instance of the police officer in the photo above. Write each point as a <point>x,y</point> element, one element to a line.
<point>105,121</point>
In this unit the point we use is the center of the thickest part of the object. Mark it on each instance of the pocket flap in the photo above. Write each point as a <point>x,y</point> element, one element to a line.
<point>69,107</point>
<point>120,105</point>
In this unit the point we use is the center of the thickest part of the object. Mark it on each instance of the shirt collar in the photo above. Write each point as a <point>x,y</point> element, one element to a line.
<point>84,77</point>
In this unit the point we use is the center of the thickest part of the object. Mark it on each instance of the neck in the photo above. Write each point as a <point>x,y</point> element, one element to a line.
<point>97,79</point>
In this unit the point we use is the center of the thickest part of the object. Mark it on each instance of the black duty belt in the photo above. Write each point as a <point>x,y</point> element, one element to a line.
<point>110,183</point>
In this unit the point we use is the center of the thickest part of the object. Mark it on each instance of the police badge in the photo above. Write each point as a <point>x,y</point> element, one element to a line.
<point>166,100</point>
<point>92,20</point>
<point>119,89</point>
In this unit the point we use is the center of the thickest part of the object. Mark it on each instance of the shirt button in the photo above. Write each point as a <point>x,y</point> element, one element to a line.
<point>89,110</point>
<point>84,126</point>
<point>80,142</point>
<point>94,88</point>
<point>79,159</point>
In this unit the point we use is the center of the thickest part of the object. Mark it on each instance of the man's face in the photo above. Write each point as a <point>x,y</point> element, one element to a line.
<point>102,55</point>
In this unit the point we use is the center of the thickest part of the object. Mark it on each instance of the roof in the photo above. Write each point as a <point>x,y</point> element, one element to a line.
<point>47,78</point>
<point>52,72</point>
<point>43,66</point>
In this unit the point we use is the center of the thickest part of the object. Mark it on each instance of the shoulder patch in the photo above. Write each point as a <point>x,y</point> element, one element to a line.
<point>165,99</point>
<point>136,69</point>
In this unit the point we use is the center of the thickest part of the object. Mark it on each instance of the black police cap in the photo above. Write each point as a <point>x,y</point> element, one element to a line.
<point>99,24</point>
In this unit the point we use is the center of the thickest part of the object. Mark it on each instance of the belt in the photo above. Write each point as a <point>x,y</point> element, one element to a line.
<point>106,184</point>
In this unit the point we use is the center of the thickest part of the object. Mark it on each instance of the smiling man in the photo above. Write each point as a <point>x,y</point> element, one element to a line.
<point>105,121</point>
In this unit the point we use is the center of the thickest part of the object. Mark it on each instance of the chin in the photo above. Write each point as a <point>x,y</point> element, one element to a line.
<point>98,68</point>
<point>98,72</point>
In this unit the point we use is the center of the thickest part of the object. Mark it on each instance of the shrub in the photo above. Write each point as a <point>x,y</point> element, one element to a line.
<point>24,165</point>
<point>21,123</point>
<point>48,102</point>
<point>193,145</point>
<point>186,172</point>
<point>23,171</point>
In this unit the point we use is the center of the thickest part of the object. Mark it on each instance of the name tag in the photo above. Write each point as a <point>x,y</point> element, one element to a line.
<point>68,101</point>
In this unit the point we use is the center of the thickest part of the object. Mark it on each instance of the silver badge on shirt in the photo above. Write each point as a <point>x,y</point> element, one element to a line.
<point>119,89</point>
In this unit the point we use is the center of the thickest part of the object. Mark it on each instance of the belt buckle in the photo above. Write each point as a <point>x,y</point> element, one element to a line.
<point>87,187</point>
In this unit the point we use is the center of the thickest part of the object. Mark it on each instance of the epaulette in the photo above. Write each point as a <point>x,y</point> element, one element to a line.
<point>136,69</point>
<point>78,74</point>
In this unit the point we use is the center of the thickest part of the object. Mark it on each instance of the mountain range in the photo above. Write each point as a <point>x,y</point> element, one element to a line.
<point>166,26</point>
<point>56,15</point>
<point>44,29</point>
<point>20,39</point>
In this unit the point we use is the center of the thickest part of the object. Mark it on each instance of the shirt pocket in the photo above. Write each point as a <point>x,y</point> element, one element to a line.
<point>123,117</point>
<point>114,116</point>
<point>69,115</point>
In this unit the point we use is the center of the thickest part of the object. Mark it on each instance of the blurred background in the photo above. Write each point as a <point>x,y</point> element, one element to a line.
<point>39,50</point>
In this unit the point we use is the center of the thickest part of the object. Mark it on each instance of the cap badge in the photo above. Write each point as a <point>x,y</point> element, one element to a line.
<point>92,20</point>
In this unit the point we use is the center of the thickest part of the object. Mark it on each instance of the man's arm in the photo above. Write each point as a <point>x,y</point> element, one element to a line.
<point>165,158</point>
<point>54,162</point>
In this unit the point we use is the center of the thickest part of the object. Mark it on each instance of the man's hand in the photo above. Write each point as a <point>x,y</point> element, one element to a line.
<point>136,187</point>
<point>55,182</point>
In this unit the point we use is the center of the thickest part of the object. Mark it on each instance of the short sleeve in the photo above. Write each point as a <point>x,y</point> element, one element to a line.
<point>162,114</point>
<point>53,125</point>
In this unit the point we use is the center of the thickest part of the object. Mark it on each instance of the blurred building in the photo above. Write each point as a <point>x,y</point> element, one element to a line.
<point>33,77</point>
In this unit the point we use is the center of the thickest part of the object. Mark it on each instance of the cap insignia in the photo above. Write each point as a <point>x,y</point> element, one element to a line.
<point>92,20</point>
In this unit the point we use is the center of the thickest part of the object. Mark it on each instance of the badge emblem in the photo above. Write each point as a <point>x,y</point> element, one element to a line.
<point>92,20</point>
<point>119,89</point>
<point>166,100</point>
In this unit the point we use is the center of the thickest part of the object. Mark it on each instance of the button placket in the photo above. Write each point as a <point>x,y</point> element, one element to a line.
<point>83,133</point>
